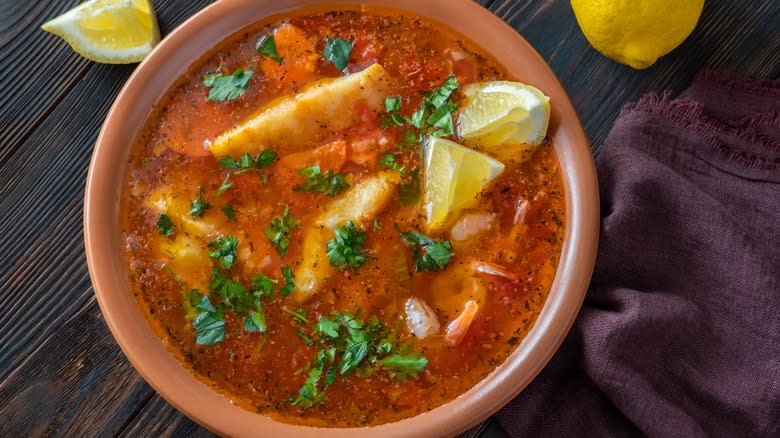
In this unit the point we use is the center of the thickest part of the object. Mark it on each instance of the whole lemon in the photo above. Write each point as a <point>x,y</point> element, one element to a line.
<point>636,32</point>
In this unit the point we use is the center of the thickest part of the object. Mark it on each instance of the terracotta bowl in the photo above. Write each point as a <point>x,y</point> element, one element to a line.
<point>170,60</point>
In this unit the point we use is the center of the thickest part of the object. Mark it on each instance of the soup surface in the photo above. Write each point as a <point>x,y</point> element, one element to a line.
<point>292,264</point>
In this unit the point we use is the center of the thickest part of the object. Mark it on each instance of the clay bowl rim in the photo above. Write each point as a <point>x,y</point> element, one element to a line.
<point>185,46</point>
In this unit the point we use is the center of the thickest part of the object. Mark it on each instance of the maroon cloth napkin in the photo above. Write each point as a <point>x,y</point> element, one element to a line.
<point>679,335</point>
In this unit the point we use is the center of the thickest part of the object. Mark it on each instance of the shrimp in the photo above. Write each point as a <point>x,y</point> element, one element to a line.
<point>457,329</point>
<point>493,270</point>
<point>471,225</point>
<point>420,319</point>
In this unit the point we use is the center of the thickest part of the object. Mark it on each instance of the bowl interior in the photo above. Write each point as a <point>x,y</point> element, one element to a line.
<point>186,46</point>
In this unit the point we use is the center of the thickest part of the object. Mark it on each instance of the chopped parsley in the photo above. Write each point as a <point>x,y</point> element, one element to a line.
<point>433,117</point>
<point>266,45</point>
<point>392,104</point>
<point>224,250</point>
<point>346,250</point>
<point>349,345</point>
<point>329,183</point>
<point>165,225</point>
<point>227,86</point>
<point>337,51</point>
<point>429,255</point>
<point>278,231</point>
<point>209,324</point>
<point>404,366</point>
<point>234,295</point>
<point>388,160</point>
<point>244,164</point>
<point>199,206</point>
<point>298,315</point>
<point>229,212</point>
<point>289,284</point>
<point>255,321</point>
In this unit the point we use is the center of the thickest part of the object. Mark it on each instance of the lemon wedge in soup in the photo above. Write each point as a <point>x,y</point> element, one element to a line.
<point>454,177</point>
<point>109,31</point>
<point>500,112</point>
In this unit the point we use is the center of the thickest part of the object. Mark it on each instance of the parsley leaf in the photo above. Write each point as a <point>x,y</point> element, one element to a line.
<point>429,255</point>
<point>328,327</point>
<point>304,337</point>
<point>234,295</point>
<point>278,231</point>
<point>393,104</point>
<point>346,250</point>
<point>226,184</point>
<point>329,183</point>
<point>266,45</point>
<point>388,160</point>
<point>337,51</point>
<point>298,315</point>
<point>209,324</point>
<point>227,86</point>
<point>246,162</point>
<point>263,286</point>
<point>309,394</point>
<point>200,205</point>
<point>224,250</point>
<point>229,212</point>
<point>165,225</point>
<point>404,366</point>
<point>288,285</point>
<point>255,321</point>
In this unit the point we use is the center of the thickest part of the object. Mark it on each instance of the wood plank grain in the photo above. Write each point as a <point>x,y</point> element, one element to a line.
<point>729,36</point>
<point>77,383</point>
<point>61,372</point>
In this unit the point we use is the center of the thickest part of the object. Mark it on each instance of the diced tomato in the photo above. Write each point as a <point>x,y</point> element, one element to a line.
<point>299,54</point>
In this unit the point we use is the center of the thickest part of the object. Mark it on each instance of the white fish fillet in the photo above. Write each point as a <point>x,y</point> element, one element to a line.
<point>359,204</point>
<point>325,106</point>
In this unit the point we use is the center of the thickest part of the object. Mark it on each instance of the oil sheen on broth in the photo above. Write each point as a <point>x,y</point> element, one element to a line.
<point>292,268</point>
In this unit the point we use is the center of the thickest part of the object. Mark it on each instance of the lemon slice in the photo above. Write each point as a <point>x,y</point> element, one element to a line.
<point>502,112</point>
<point>454,177</point>
<point>109,31</point>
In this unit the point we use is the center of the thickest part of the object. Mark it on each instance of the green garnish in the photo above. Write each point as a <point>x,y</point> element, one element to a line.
<point>329,183</point>
<point>346,250</point>
<point>304,337</point>
<point>244,164</point>
<point>229,212</point>
<point>266,45</point>
<point>392,104</point>
<point>209,324</point>
<point>278,231</point>
<point>234,295</point>
<point>377,227</point>
<point>263,286</point>
<point>224,250</point>
<point>328,327</point>
<point>200,205</point>
<point>288,285</point>
<point>388,160</point>
<point>349,345</point>
<point>429,255</point>
<point>404,366</point>
<point>337,51</point>
<point>255,321</point>
<point>227,86</point>
<point>433,117</point>
<point>165,225</point>
<point>298,315</point>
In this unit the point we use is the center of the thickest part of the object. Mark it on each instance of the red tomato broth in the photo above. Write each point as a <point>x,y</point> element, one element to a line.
<point>258,370</point>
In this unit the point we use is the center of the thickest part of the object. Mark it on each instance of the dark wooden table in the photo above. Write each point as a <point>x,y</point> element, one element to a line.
<point>61,372</point>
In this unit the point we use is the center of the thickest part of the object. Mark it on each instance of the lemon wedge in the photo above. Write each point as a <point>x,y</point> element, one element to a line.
<point>109,31</point>
<point>502,112</point>
<point>454,177</point>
